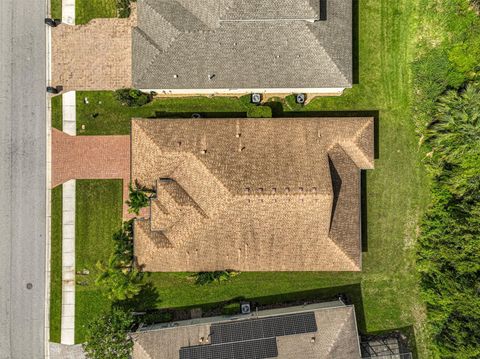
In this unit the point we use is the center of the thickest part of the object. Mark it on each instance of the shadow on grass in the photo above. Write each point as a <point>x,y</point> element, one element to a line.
<point>143,301</point>
<point>351,294</point>
<point>355,42</point>
<point>363,210</point>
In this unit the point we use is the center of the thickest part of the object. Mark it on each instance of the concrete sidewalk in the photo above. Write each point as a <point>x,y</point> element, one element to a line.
<point>68,264</point>
<point>68,12</point>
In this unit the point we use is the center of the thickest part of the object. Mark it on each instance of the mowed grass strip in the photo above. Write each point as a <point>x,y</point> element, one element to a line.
<point>86,10</point>
<point>56,9</point>
<point>98,217</point>
<point>57,112</point>
<point>56,265</point>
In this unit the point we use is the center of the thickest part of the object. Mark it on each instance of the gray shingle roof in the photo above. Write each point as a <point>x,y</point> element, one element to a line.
<point>180,44</point>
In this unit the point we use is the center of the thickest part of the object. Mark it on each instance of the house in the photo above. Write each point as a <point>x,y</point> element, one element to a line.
<point>240,46</point>
<point>316,331</point>
<point>251,194</point>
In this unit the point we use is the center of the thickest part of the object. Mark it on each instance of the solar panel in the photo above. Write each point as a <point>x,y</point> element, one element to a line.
<point>251,349</point>
<point>263,328</point>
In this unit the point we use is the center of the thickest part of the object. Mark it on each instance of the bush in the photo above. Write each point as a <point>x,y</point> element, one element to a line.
<point>120,277</point>
<point>107,336</point>
<point>123,8</point>
<point>231,308</point>
<point>202,278</point>
<point>137,199</point>
<point>449,244</point>
<point>259,112</point>
<point>132,97</point>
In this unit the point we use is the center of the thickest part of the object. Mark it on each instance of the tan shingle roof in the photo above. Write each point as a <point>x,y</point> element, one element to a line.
<point>251,194</point>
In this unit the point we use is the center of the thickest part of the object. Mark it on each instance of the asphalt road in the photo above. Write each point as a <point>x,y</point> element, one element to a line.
<point>22,179</point>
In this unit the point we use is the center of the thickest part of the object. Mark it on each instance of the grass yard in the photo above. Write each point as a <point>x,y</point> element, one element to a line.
<point>386,292</point>
<point>86,10</point>
<point>57,115</point>
<point>56,9</point>
<point>99,213</point>
<point>56,266</point>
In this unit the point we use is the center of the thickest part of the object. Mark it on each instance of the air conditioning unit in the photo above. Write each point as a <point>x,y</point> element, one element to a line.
<point>256,98</point>
<point>245,308</point>
<point>300,98</point>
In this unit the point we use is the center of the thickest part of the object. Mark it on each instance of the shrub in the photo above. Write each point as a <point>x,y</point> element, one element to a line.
<point>132,97</point>
<point>203,278</point>
<point>123,8</point>
<point>137,199</point>
<point>259,112</point>
<point>107,336</point>
<point>120,277</point>
<point>231,308</point>
<point>449,243</point>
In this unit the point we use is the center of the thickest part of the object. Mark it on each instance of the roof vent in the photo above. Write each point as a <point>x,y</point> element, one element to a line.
<point>203,151</point>
<point>211,76</point>
<point>175,76</point>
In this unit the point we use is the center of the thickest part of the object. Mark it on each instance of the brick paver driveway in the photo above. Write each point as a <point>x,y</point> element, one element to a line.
<point>95,56</point>
<point>91,157</point>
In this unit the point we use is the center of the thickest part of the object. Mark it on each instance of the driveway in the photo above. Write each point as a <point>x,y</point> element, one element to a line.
<point>95,56</point>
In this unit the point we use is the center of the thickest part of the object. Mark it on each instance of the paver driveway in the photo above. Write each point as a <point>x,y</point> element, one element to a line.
<point>95,56</point>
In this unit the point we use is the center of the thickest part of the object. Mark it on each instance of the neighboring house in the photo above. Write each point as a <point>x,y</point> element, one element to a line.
<point>317,331</point>
<point>251,194</point>
<point>238,46</point>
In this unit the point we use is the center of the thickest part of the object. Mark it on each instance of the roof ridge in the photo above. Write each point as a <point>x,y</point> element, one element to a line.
<point>140,346</point>
<point>339,331</point>
<point>355,266</point>
<point>358,135</point>
<point>152,61</point>
<point>332,61</point>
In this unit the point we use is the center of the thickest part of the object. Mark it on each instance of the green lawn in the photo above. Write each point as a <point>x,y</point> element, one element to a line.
<point>386,292</point>
<point>57,115</point>
<point>56,266</point>
<point>86,10</point>
<point>98,216</point>
<point>56,9</point>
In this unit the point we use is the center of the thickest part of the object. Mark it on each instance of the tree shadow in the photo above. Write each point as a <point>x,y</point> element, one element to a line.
<point>350,294</point>
<point>146,299</point>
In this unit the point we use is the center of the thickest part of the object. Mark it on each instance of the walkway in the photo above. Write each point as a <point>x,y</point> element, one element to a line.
<point>67,333</point>
<point>68,264</point>
<point>68,12</point>
<point>95,56</point>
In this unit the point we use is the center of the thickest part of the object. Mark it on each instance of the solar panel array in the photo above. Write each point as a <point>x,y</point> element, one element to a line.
<point>252,349</point>
<point>263,328</point>
<point>251,338</point>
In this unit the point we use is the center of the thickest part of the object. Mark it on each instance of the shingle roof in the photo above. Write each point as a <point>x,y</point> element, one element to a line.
<point>251,194</point>
<point>180,44</point>
<point>336,337</point>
